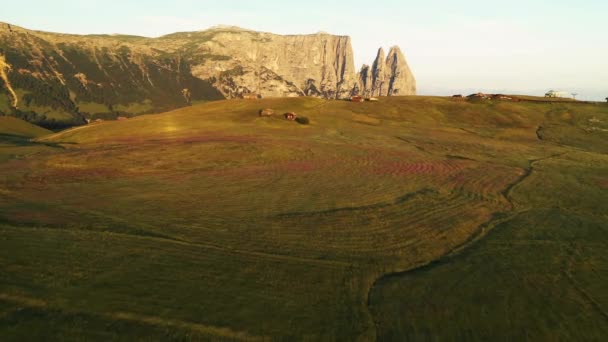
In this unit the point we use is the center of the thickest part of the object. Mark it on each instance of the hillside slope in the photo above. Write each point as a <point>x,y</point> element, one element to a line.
<point>411,218</point>
<point>13,126</point>
<point>57,80</point>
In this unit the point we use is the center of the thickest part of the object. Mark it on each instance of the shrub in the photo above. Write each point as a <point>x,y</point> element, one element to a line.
<point>302,120</point>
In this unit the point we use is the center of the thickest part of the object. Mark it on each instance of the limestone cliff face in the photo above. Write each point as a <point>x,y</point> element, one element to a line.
<point>61,79</point>
<point>249,62</point>
<point>243,61</point>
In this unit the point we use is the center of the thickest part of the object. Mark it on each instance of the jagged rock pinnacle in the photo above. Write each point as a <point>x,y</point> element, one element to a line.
<point>388,76</point>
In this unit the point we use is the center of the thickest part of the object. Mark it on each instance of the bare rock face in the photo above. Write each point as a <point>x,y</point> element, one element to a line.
<point>379,75</point>
<point>387,77</point>
<point>364,84</point>
<point>399,76</point>
<point>244,61</point>
<point>240,62</point>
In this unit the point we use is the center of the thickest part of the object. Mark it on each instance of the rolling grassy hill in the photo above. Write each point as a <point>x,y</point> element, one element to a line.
<point>412,218</point>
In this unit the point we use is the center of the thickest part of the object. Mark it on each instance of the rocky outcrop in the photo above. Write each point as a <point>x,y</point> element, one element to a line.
<point>400,78</point>
<point>379,75</point>
<point>390,76</point>
<point>60,79</point>
<point>364,85</point>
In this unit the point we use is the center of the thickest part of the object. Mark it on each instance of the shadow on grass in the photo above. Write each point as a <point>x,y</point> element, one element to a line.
<point>22,141</point>
<point>111,228</point>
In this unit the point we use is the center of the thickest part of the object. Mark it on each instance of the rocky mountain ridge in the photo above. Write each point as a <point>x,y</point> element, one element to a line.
<point>61,79</point>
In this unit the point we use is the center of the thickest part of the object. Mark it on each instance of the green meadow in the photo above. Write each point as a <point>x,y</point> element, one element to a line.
<point>413,218</point>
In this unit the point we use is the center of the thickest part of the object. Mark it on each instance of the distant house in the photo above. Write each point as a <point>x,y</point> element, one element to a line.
<point>478,96</point>
<point>459,96</point>
<point>502,97</point>
<point>372,99</point>
<point>357,99</point>
<point>266,112</point>
<point>554,93</point>
<point>251,96</point>
<point>291,116</point>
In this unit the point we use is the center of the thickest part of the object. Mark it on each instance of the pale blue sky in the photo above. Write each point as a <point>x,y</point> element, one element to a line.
<point>452,46</point>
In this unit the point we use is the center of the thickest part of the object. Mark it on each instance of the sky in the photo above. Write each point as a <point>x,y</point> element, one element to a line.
<point>451,46</point>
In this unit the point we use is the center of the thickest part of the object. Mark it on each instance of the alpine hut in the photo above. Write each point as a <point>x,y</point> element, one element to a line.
<point>291,116</point>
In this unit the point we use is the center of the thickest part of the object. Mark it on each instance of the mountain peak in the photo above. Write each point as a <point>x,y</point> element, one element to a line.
<point>394,48</point>
<point>389,75</point>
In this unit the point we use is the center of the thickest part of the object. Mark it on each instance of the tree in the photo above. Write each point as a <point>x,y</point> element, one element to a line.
<point>607,99</point>
<point>574,95</point>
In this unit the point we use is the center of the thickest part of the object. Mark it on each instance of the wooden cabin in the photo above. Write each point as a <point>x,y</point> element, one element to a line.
<point>478,96</point>
<point>357,99</point>
<point>502,97</point>
<point>291,116</point>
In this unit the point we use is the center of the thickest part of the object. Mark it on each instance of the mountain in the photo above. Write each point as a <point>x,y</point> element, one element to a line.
<point>58,80</point>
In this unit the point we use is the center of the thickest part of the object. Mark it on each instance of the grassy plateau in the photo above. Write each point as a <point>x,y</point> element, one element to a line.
<point>413,218</point>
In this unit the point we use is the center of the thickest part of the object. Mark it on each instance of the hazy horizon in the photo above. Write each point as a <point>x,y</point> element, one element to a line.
<point>451,47</point>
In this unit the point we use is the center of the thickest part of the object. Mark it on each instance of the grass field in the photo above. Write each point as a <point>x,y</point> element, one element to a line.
<point>413,218</point>
<point>15,135</point>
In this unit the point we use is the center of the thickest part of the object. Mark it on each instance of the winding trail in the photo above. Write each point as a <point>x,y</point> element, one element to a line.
<point>482,230</point>
<point>506,193</point>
